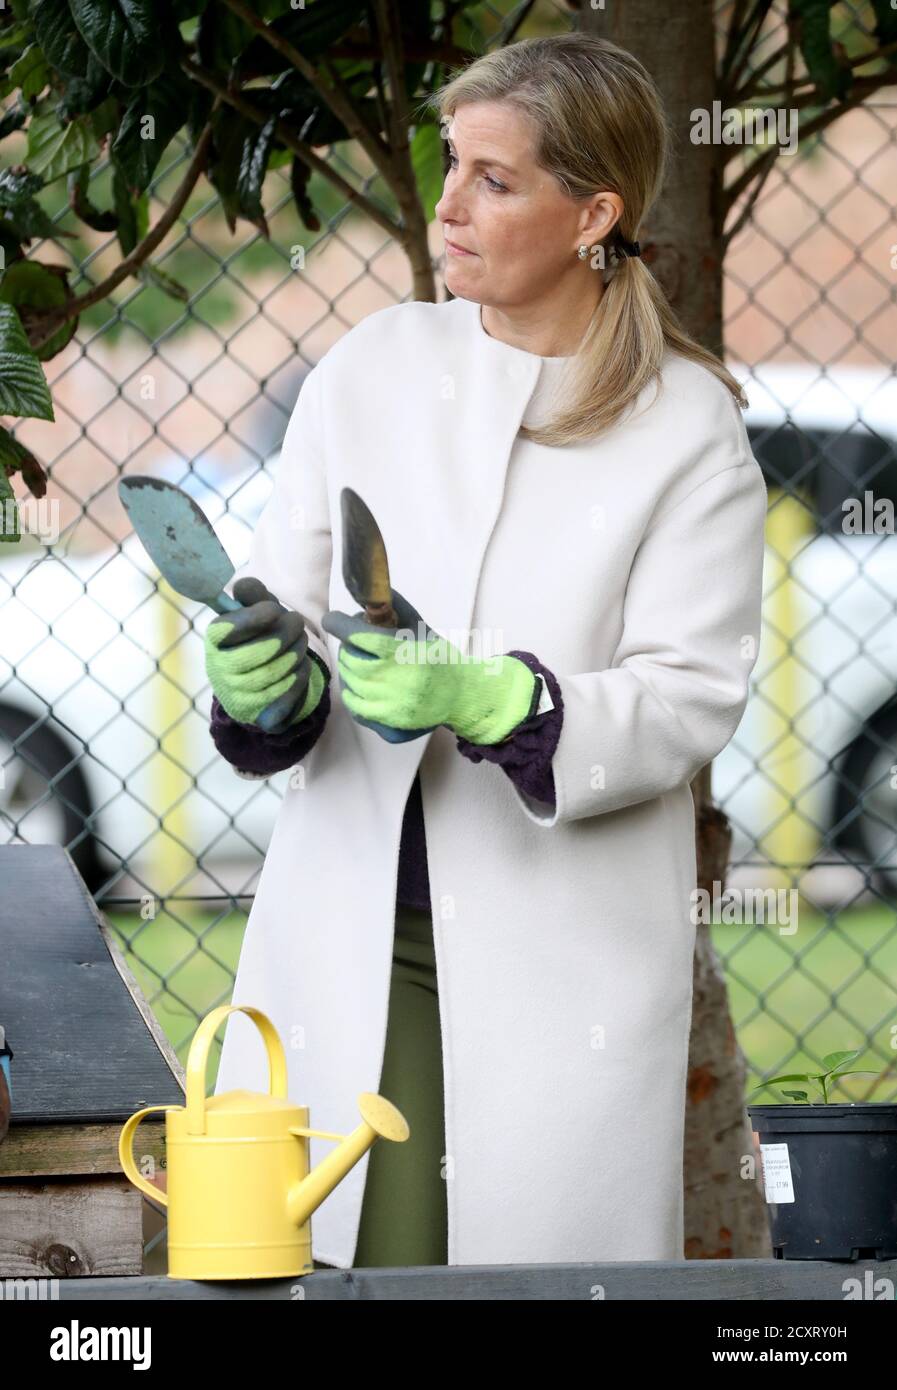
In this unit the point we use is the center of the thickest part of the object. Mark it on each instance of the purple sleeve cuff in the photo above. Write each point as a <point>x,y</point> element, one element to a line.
<point>251,750</point>
<point>526,754</point>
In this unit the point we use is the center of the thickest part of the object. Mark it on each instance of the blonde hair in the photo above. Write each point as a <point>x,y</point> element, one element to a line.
<point>599,124</point>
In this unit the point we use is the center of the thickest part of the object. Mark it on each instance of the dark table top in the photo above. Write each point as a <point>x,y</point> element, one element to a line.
<point>82,1049</point>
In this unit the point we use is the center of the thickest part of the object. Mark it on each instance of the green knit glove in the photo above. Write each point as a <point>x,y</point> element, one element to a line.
<point>258,664</point>
<point>408,683</point>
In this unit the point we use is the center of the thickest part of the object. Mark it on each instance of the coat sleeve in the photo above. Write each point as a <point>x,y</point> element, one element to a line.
<point>290,552</point>
<point>253,753</point>
<point>525,755</point>
<point>678,682</point>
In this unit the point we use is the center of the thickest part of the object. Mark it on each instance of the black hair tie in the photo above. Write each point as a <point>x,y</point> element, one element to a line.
<point>627,248</point>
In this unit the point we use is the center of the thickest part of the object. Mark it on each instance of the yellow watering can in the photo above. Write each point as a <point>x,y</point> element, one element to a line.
<point>240,1195</point>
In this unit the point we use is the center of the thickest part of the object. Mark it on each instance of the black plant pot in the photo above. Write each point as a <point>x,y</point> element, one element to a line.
<point>840,1162</point>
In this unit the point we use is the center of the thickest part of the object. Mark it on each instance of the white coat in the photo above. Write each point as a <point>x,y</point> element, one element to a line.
<point>631,565</point>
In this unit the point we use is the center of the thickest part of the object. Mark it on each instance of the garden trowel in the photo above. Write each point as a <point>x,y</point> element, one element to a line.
<point>365,567</point>
<point>180,540</point>
<point>366,576</point>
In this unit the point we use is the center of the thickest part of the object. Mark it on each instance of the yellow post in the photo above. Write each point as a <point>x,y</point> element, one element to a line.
<point>173,863</point>
<point>792,839</point>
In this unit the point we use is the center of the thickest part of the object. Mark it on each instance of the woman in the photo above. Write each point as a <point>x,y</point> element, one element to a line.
<point>566,491</point>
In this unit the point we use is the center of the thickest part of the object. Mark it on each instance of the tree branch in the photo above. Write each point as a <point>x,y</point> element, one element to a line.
<point>389,26</point>
<point>516,21</point>
<point>789,87</point>
<point>751,32</point>
<point>335,97</point>
<point>727,237</point>
<point>142,251</point>
<point>734,98</point>
<point>293,142</point>
<point>733,37</point>
<point>414,231</point>
<point>862,89</point>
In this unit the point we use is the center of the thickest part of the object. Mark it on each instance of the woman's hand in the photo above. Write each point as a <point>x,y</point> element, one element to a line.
<point>257,661</point>
<point>411,678</point>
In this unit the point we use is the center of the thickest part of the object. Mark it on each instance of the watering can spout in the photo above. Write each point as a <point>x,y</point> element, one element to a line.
<point>379,1120</point>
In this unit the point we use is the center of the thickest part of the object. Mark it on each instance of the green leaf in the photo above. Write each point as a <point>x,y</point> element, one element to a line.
<point>886,26</point>
<point>20,214</point>
<point>251,175</point>
<point>791,1076</point>
<point>32,287</point>
<point>124,35</point>
<point>55,150</point>
<point>79,201</point>
<point>815,43</point>
<point>18,187</point>
<point>105,117</point>
<point>9,516</point>
<point>14,37</point>
<point>199,108</point>
<point>299,177</point>
<point>10,248</point>
<point>230,133</point>
<point>136,152</point>
<point>58,37</point>
<point>13,119</point>
<point>85,95</point>
<point>312,30</point>
<point>426,161</point>
<point>30,73</point>
<point>23,387</point>
<point>834,1059</point>
<point>15,458</point>
<point>221,37</point>
<point>133,216</point>
<point>796,1095</point>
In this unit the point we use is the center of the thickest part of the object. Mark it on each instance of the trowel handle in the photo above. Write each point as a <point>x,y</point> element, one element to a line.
<point>381,615</point>
<point>224,603</point>
<point>126,1157</point>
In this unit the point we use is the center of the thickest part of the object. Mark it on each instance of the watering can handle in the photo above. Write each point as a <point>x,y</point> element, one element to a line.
<point>126,1157</point>
<point>198,1056</point>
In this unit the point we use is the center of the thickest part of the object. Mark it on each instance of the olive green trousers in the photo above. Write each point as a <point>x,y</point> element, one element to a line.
<point>403,1215</point>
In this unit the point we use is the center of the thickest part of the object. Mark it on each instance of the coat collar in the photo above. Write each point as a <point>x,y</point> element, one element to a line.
<point>490,384</point>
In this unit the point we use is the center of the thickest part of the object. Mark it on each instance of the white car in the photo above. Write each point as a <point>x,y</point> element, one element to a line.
<point>104,709</point>
<point>808,775</point>
<point>84,703</point>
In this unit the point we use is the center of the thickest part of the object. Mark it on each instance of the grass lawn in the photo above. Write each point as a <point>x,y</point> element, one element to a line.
<point>830,986</point>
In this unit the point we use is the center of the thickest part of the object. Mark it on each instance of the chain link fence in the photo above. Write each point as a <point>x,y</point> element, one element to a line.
<point>104,703</point>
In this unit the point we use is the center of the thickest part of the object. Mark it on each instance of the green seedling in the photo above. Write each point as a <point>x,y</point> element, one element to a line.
<point>832,1065</point>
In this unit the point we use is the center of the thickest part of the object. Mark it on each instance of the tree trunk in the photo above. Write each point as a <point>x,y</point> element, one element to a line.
<point>725,1213</point>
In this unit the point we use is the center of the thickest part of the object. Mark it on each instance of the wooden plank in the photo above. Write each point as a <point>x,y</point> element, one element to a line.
<point>76,1021</point>
<point>728,1280</point>
<point>66,1230</point>
<point>33,1151</point>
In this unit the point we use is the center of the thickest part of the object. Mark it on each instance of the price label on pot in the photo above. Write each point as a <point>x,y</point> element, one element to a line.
<point>777,1173</point>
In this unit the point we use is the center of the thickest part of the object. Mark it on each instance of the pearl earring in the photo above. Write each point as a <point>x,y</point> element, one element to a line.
<point>583,252</point>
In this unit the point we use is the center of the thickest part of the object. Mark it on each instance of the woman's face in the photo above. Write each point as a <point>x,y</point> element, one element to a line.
<point>519,227</point>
